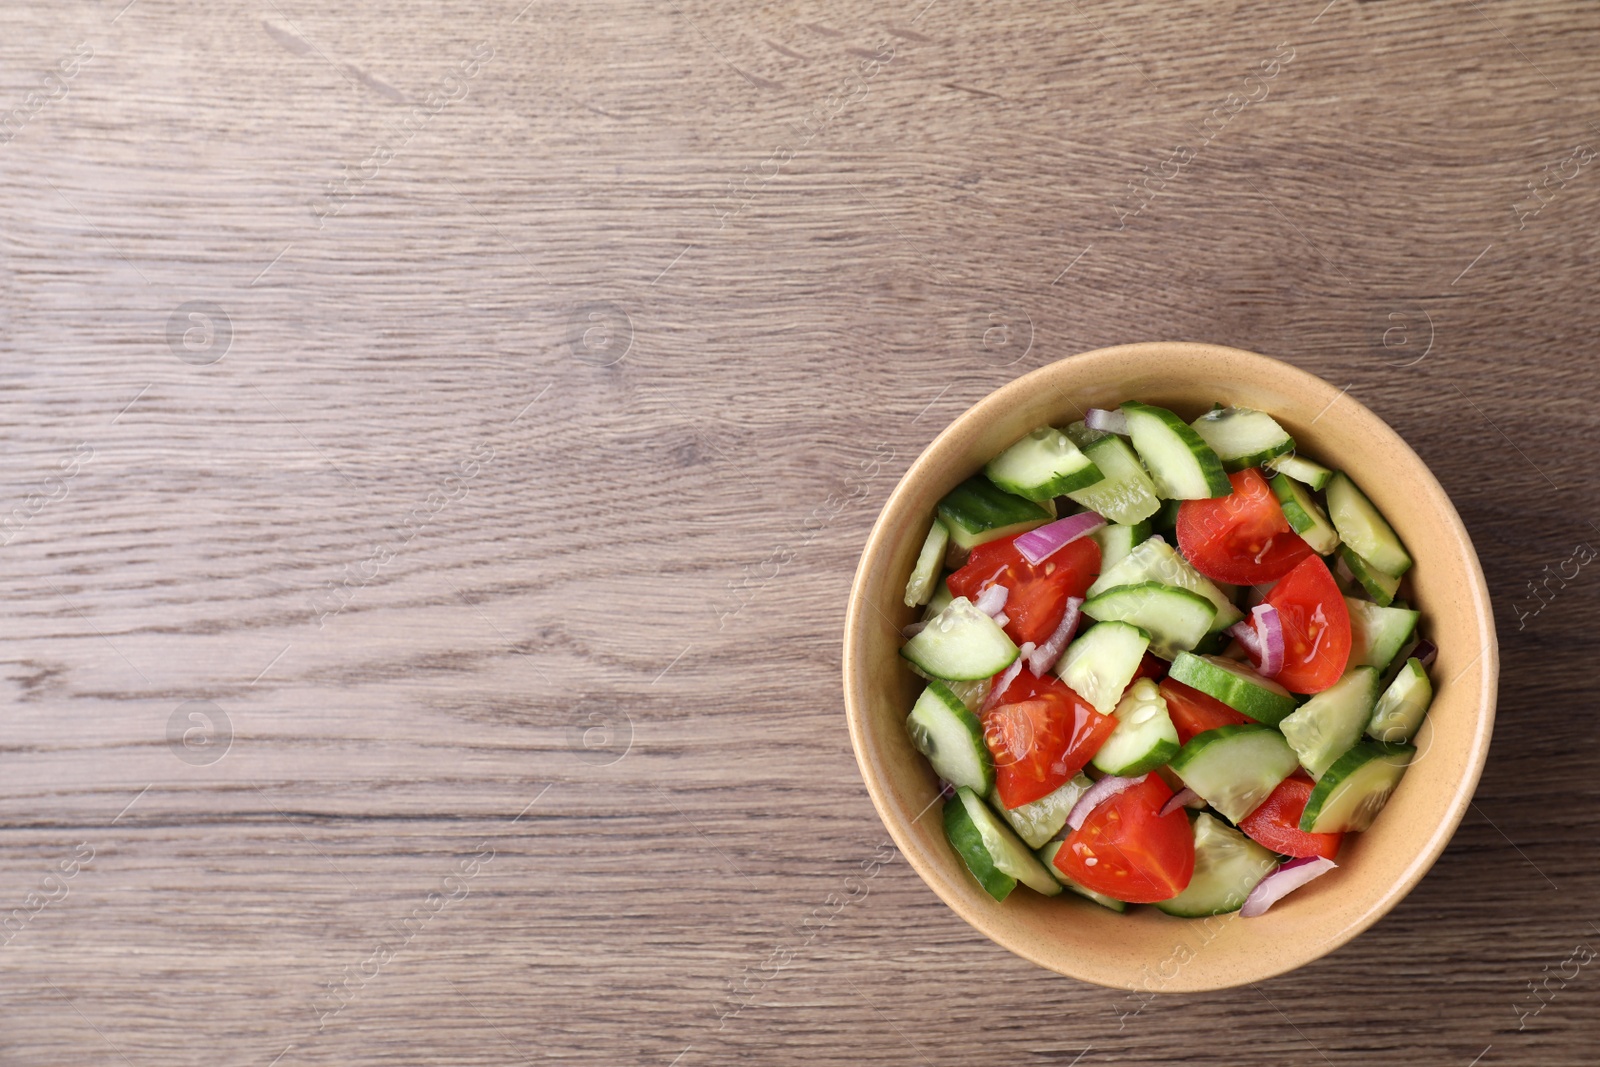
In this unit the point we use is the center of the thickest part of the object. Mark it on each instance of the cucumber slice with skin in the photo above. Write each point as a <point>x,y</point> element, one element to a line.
<point>1182,465</point>
<point>1080,434</point>
<point>1242,437</point>
<point>1379,586</point>
<point>1126,494</point>
<point>1175,619</point>
<point>977,511</point>
<point>1377,633</point>
<point>941,599</point>
<point>962,643</point>
<point>1301,470</point>
<point>1144,738</point>
<point>1364,529</point>
<point>1400,710</point>
<point>925,575</point>
<point>1324,727</point>
<point>1117,539</point>
<point>1355,788</point>
<point>1235,768</point>
<point>1099,665</point>
<point>1047,856</point>
<point>1305,517</point>
<point>1039,820</point>
<point>1236,685</point>
<point>972,693</point>
<point>1043,465</point>
<point>993,854</point>
<point>1227,866</point>
<point>951,737</point>
<point>1157,561</point>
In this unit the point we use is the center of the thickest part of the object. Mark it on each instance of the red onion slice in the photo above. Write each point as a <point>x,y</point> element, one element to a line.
<point>1269,632</point>
<point>1099,793</point>
<point>1244,632</point>
<point>912,629</point>
<point>1002,620</point>
<point>992,600</point>
<point>1040,544</point>
<point>1178,800</point>
<point>1043,659</point>
<point>1002,683</point>
<point>1106,421</point>
<point>1425,651</point>
<point>1281,882</point>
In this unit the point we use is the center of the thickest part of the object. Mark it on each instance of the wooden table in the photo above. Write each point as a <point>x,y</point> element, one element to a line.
<point>440,437</point>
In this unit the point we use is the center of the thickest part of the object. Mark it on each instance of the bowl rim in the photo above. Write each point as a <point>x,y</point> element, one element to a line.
<point>854,667</point>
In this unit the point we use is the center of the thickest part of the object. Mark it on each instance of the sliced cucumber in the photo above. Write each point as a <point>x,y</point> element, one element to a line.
<point>994,855</point>
<point>1300,469</point>
<point>1379,586</point>
<point>1400,710</point>
<point>951,737</point>
<point>1364,529</point>
<point>1377,633</point>
<point>1117,539</point>
<point>972,692</point>
<point>1038,821</point>
<point>925,575</point>
<point>1080,434</point>
<point>1047,856</point>
<point>977,511</point>
<point>960,642</point>
<point>1157,561</point>
<point>1144,738</point>
<point>1324,727</point>
<point>1182,465</point>
<point>1227,866</point>
<point>941,598</point>
<point>1043,465</point>
<point>1099,665</point>
<point>1235,684</point>
<point>1175,619</point>
<point>1241,437</point>
<point>1126,494</point>
<point>1304,515</point>
<point>1355,788</point>
<point>1235,768</point>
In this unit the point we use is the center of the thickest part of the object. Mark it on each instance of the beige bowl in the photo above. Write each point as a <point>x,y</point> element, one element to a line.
<point>1144,949</point>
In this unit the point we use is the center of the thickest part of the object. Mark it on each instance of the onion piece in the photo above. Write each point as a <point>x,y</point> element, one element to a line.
<point>1002,683</point>
<point>1040,544</point>
<point>912,629</point>
<point>1425,651</point>
<point>992,600</point>
<point>1284,880</point>
<point>1002,620</point>
<point>1044,658</point>
<point>1099,793</point>
<point>1106,421</point>
<point>1269,632</point>
<point>1178,800</point>
<point>1244,632</point>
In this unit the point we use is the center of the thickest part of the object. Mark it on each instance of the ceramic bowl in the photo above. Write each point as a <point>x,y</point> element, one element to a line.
<point>1145,949</point>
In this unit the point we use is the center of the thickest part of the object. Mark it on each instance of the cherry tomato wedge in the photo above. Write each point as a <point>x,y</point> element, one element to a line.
<point>1040,733</point>
<point>1037,594</point>
<point>1127,850</point>
<point>1316,627</point>
<point>1241,538</point>
<point>1193,712</point>
<point>1276,823</point>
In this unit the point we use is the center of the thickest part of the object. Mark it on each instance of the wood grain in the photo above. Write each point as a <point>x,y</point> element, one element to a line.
<point>502,501</point>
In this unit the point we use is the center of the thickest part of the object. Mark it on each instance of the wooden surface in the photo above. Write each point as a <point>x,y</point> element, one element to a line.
<point>546,370</point>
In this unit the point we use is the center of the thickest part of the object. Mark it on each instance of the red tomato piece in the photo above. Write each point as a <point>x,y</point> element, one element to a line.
<point>1128,850</point>
<point>1193,712</point>
<point>1316,627</point>
<point>1041,733</point>
<point>1276,823</point>
<point>1241,538</point>
<point>1036,598</point>
<point>1151,667</point>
